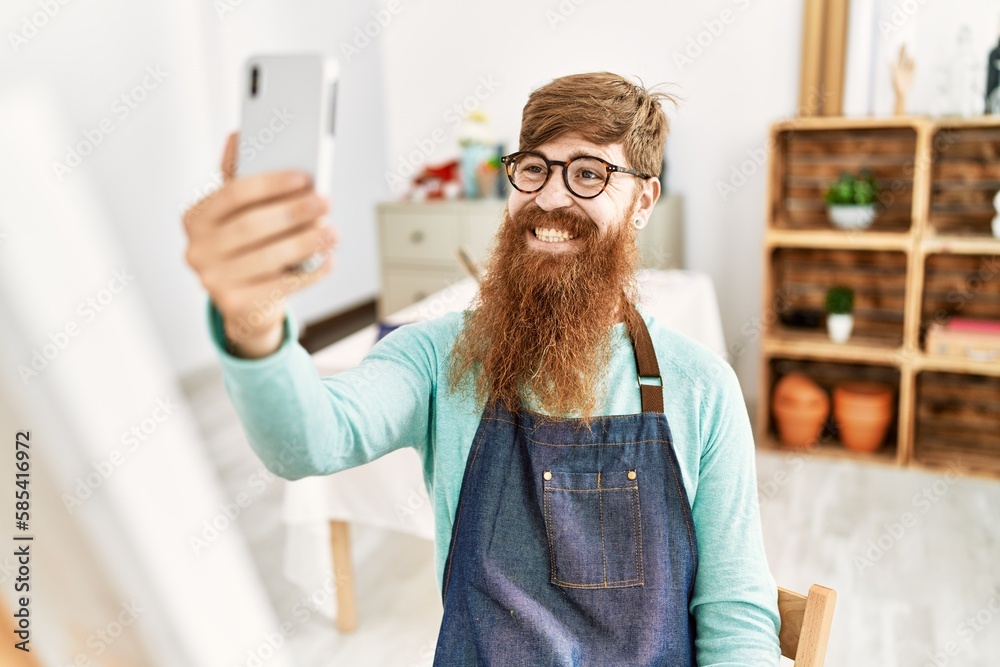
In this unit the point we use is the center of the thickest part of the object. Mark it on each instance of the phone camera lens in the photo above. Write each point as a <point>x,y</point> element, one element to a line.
<point>254,75</point>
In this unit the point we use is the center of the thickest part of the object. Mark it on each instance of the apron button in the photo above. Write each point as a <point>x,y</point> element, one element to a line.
<point>631,474</point>
<point>547,475</point>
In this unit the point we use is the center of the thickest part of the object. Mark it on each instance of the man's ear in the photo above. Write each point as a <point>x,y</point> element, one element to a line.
<point>648,197</point>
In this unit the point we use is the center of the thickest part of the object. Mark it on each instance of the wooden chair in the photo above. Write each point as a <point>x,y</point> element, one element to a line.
<point>805,624</point>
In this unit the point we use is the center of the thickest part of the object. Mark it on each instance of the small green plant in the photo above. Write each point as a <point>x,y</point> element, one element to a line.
<point>839,300</point>
<point>850,189</point>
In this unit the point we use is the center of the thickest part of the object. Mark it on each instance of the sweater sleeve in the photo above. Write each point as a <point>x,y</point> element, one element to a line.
<point>300,424</point>
<point>735,598</point>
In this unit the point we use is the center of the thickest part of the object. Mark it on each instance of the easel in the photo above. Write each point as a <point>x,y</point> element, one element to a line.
<point>824,48</point>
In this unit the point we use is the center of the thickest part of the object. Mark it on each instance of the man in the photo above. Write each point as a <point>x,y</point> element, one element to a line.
<point>592,472</point>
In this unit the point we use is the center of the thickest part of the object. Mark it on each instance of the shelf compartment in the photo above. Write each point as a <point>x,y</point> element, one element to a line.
<point>965,176</point>
<point>831,448</point>
<point>827,375</point>
<point>813,159</point>
<point>959,285</point>
<point>815,344</point>
<point>935,362</point>
<point>963,245</point>
<point>802,276</point>
<point>958,421</point>
<point>838,239</point>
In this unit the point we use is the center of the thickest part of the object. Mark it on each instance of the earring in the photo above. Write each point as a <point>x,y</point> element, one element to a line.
<point>639,223</point>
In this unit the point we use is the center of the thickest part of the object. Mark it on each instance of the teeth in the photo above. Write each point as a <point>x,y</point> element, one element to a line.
<point>552,235</point>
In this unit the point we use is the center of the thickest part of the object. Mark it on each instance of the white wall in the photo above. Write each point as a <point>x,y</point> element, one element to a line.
<point>400,87</point>
<point>745,78</point>
<point>742,78</point>
<point>158,158</point>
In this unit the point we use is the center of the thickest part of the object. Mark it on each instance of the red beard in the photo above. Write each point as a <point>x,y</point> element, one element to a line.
<point>542,321</point>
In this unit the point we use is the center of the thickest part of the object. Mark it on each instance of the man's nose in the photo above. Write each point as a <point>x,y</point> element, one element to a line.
<point>554,194</point>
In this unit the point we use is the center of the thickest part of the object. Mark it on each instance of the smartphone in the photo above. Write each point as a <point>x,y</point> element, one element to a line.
<point>288,119</point>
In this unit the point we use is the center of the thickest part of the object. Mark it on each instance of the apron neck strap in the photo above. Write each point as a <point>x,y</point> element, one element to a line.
<point>650,382</point>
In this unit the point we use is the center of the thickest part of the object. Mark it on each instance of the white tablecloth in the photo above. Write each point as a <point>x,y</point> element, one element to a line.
<point>390,492</point>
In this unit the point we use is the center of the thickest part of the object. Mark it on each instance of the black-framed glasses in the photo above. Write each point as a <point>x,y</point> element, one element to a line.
<point>585,176</point>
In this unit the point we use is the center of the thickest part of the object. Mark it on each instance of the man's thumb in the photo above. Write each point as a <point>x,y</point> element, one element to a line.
<point>228,165</point>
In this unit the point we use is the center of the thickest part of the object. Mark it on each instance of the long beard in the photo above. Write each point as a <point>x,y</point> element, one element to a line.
<point>542,321</point>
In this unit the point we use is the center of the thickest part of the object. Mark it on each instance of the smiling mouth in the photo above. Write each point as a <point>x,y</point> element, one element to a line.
<point>552,235</point>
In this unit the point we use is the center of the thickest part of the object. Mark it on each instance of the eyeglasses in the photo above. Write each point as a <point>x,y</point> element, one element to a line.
<point>585,176</point>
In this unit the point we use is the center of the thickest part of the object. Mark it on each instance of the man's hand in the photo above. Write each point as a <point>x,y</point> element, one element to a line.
<point>242,237</point>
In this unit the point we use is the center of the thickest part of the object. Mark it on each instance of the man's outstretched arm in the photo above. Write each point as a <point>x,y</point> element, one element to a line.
<point>300,424</point>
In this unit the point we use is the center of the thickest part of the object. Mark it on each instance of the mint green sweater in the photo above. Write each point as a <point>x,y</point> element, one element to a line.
<point>300,424</point>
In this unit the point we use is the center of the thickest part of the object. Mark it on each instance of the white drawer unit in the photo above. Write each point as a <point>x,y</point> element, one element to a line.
<point>405,287</point>
<point>417,242</point>
<point>420,237</point>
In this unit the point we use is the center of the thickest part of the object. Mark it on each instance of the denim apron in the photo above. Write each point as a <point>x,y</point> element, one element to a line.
<point>572,546</point>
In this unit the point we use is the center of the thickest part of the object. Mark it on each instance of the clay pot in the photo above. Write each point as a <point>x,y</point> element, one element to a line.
<point>863,412</point>
<point>800,408</point>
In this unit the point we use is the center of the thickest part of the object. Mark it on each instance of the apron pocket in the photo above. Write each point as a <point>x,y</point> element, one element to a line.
<point>592,522</point>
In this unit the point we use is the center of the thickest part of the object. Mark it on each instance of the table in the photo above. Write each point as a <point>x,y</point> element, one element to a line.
<point>389,492</point>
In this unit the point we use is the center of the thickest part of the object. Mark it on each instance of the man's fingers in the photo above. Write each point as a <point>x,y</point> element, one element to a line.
<point>269,292</point>
<point>273,258</point>
<point>248,190</point>
<point>228,165</point>
<point>256,225</point>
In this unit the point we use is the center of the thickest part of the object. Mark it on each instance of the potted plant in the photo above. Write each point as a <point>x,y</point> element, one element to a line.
<point>800,408</point>
<point>839,313</point>
<point>850,201</point>
<point>863,412</point>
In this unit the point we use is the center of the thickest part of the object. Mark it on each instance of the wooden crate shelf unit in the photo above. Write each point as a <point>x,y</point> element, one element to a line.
<point>929,257</point>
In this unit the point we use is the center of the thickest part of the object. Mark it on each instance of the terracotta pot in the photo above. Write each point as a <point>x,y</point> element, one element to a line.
<point>863,412</point>
<point>800,408</point>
